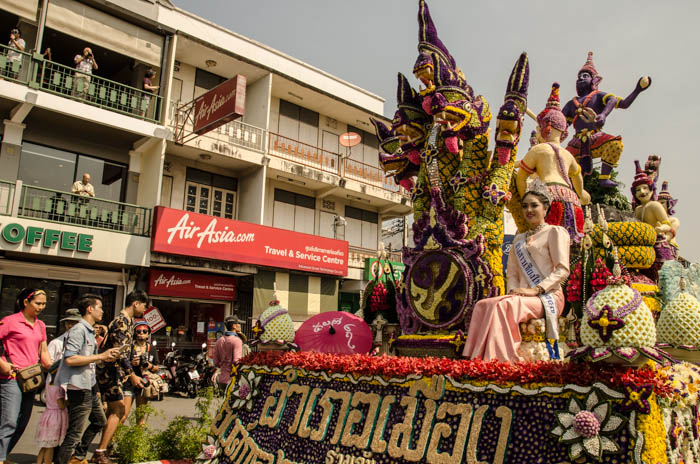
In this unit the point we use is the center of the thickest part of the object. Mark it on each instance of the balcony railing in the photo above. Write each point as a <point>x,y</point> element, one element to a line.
<point>308,155</point>
<point>14,64</point>
<point>63,80</point>
<point>7,190</point>
<point>357,256</point>
<point>68,208</point>
<point>235,132</point>
<point>97,91</point>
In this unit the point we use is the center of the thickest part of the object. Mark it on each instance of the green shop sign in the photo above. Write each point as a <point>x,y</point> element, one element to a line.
<point>379,268</point>
<point>70,241</point>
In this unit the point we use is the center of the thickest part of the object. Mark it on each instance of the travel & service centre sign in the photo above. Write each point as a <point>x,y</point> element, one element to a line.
<point>189,285</point>
<point>191,234</point>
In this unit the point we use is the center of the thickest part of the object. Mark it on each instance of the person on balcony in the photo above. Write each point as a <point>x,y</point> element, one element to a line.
<point>84,64</point>
<point>83,187</point>
<point>14,58</point>
<point>148,89</point>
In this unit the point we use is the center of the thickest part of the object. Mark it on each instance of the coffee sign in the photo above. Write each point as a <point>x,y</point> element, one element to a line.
<point>220,105</point>
<point>14,233</point>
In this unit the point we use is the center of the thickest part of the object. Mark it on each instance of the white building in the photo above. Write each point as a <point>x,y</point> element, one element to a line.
<point>281,165</point>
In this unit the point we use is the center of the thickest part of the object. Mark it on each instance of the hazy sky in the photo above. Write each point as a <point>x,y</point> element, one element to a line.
<point>367,42</point>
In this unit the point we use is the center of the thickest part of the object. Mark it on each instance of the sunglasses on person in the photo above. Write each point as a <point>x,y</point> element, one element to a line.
<point>141,331</point>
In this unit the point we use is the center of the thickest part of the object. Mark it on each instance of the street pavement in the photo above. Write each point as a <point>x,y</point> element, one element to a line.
<point>26,450</point>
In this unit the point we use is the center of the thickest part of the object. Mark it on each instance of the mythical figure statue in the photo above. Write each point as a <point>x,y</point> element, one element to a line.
<point>669,203</point>
<point>557,168</point>
<point>648,209</point>
<point>588,113</point>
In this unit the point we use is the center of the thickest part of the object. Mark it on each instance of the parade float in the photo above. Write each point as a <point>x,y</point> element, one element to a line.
<point>615,382</point>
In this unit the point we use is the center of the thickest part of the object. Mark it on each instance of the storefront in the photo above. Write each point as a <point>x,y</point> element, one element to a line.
<point>66,261</point>
<point>304,268</point>
<point>192,305</point>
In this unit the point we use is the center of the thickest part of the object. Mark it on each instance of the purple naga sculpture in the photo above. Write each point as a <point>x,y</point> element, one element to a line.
<point>588,113</point>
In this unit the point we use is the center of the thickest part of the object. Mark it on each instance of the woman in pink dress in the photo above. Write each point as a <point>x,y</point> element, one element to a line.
<point>52,423</point>
<point>538,264</point>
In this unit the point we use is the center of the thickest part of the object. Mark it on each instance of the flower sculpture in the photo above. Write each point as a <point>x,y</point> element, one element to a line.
<point>246,391</point>
<point>638,398</point>
<point>210,451</point>
<point>588,427</point>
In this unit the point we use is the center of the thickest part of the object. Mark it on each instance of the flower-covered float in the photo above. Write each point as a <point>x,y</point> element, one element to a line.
<point>599,387</point>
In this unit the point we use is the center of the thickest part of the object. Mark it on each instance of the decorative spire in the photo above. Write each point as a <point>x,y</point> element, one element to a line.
<point>428,40</point>
<point>640,177</point>
<point>665,195</point>
<point>589,66</point>
<point>551,116</point>
<point>518,82</point>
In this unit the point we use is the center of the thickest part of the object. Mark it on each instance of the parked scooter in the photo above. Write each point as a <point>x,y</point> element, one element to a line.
<point>205,367</point>
<point>183,375</point>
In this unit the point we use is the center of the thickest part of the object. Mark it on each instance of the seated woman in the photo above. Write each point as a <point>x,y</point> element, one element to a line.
<point>538,264</point>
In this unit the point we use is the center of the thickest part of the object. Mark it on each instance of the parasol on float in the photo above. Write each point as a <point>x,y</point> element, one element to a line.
<point>335,332</point>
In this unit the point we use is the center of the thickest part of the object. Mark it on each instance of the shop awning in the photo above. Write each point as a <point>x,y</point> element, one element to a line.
<point>98,28</point>
<point>24,9</point>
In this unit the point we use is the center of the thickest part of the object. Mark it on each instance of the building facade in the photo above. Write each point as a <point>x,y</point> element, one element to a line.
<point>280,201</point>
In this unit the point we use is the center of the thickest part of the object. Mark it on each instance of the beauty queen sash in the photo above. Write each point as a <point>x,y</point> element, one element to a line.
<point>534,278</point>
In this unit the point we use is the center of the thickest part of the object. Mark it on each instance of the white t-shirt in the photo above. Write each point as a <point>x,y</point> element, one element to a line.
<point>12,55</point>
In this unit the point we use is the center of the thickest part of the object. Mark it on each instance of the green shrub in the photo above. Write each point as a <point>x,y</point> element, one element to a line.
<point>181,439</point>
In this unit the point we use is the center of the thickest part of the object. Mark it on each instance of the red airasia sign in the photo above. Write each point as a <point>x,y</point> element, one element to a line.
<point>188,285</point>
<point>222,104</point>
<point>184,233</point>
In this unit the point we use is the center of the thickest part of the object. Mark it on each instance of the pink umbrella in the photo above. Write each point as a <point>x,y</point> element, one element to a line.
<point>335,332</point>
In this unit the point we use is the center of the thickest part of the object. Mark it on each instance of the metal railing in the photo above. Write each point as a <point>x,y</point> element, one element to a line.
<point>235,132</point>
<point>308,155</point>
<point>97,91</point>
<point>64,207</point>
<point>357,256</point>
<point>15,64</point>
<point>7,190</point>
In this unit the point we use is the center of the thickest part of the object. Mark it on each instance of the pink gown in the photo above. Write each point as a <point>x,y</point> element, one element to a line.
<point>54,421</point>
<point>494,332</point>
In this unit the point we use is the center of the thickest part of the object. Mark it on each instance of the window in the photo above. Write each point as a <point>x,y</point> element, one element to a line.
<point>55,169</point>
<point>212,194</point>
<point>298,123</point>
<point>294,211</point>
<point>205,80</point>
<point>361,228</point>
<point>367,151</point>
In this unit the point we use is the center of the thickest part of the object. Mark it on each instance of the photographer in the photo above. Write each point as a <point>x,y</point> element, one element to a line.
<point>14,58</point>
<point>84,64</point>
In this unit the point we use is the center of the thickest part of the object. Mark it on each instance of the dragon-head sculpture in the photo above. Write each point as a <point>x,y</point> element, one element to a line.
<point>392,158</point>
<point>509,118</point>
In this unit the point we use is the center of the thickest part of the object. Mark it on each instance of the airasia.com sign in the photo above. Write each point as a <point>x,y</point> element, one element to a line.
<point>188,285</point>
<point>222,104</point>
<point>191,234</point>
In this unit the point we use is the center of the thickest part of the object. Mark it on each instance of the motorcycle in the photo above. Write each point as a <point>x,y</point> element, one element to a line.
<point>183,376</point>
<point>205,367</point>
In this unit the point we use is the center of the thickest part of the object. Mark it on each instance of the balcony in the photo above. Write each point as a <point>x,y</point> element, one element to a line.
<point>235,132</point>
<point>357,256</point>
<point>56,78</point>
<point>67,208</point>
<point>308,155</point>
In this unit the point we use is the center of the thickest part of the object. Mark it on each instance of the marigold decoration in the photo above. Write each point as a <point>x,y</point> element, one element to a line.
<point>588,427</point>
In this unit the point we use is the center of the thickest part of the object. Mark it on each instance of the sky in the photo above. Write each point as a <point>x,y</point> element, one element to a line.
<point>367,42</point>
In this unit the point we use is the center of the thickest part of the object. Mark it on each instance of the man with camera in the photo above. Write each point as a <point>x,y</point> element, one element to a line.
<point>84,64</point>
<point>14,58</point>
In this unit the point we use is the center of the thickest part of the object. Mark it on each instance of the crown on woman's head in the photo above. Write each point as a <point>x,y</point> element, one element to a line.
<point>538,187</point>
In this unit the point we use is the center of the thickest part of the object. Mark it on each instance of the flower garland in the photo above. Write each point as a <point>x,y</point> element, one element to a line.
<point>546,372</point>
<point>652,426</point>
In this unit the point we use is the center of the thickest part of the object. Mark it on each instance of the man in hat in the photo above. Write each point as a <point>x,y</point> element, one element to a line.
<point>557,168</point>
<point>588,113</point>
<point>228,350</point>
<point>70,318</point>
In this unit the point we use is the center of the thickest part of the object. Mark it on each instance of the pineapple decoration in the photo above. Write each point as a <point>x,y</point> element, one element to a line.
<point>379,296</point>
<point>678,329</point>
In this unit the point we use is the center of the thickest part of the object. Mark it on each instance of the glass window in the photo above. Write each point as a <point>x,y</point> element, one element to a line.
<point>107,178</point>
<point>206,80</point>
<point>46,167</point>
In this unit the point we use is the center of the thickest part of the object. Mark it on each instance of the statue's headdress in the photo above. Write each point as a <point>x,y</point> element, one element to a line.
<point>640,178</point>
<point>409,109</point>
<point>538,187</point>
<point>551,115</point>
<point>428,40</point>
<point>533,139</point>
<point>590,67</point>
<point>665,195</point>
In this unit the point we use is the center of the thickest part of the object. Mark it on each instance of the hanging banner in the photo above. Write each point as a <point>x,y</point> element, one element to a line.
<point>220,105</point>
<point>190,234</point>
<point>189,285</point>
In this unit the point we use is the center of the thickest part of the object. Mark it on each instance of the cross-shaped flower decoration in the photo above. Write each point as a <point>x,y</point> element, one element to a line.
<point>258,330</point>
<point>637,397</point>
<point>493,193</point>
<point>606,323</point>
<point>429,153</point>
<point>459,341</point>
<point>458,180</point>
<point>416,192</point>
